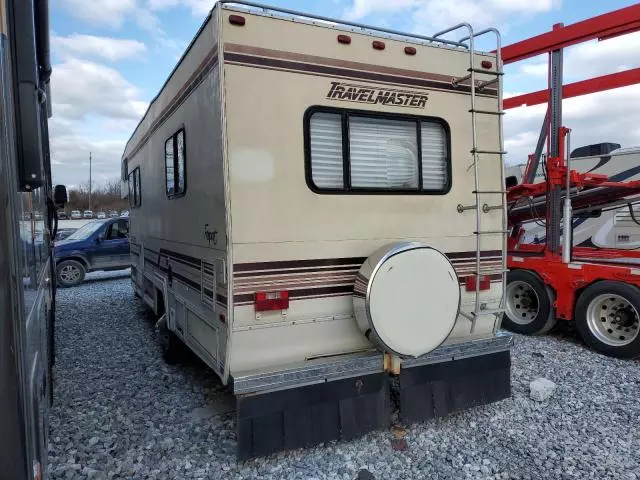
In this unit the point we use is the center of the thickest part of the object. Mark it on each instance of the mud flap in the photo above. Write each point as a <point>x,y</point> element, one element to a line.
<point>305,416</point>
<point>441,388</point>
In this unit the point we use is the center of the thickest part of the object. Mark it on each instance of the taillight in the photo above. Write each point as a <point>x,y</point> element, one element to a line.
<point>485,283</point>
<point>265,301</point>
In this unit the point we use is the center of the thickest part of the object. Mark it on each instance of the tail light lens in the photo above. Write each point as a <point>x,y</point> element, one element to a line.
<point>485,282</point>
<point>265,301</point>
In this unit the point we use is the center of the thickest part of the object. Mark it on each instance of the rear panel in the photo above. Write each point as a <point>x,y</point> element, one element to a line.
<point>286,236</point>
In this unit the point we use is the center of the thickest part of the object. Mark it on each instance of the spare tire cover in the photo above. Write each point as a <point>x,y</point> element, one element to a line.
<point>407,298</point>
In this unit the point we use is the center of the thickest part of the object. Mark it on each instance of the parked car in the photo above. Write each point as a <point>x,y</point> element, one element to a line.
<point>97,245</point>
<point>114,214</point>
<point>125,213</point>
<point>76,215</point>
<point>62,215</point>
<point>87,214</point>
<point>101,216</point>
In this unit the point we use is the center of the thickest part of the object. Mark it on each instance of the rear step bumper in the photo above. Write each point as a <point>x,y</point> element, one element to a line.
<point>347,397</point>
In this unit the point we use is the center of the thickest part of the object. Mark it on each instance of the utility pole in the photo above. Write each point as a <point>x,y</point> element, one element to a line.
<point>89,180</point>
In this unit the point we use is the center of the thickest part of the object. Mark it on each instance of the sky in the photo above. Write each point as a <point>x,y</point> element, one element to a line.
<point>111,57</point>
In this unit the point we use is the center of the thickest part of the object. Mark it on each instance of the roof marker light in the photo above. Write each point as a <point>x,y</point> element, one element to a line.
<point>486,64</point>
<point>237,20</point>
<point>346,39</point>
<point>410,50</point>
<point>378,45</point>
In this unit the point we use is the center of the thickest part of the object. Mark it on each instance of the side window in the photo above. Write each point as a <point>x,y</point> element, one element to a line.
<point>118,230</point>
<point>174,162</point>
<point>135,192</point>
<point>362,152</point>
<point>125,170</point>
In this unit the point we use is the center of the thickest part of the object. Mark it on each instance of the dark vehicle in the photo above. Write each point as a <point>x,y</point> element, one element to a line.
<point>28,207</point>
<point>98,245</point>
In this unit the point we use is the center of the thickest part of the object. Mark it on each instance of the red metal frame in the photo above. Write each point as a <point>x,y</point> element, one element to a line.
<point>587,265</point>
<point>619,22</point>
<point>584,87</point>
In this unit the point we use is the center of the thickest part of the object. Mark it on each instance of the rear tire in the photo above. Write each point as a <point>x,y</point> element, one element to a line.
<point>607,317</point>
<point>528,305</point>
<point>70,273</point>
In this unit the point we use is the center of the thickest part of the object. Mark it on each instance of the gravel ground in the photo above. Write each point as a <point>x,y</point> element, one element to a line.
<point>121,412</point>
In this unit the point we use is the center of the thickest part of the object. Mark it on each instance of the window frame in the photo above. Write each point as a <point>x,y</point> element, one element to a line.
<point>347,189</point>
<point>174,141</point>
<point>135,200</point>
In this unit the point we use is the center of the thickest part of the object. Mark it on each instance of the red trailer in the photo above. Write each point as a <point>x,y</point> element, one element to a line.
<point>598,288</point>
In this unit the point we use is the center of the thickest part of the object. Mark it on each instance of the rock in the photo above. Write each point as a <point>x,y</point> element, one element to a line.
<point>541,389</point>
<point>365,474</point>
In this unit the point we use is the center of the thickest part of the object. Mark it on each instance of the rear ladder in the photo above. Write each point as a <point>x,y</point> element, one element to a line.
<point>476,152</point>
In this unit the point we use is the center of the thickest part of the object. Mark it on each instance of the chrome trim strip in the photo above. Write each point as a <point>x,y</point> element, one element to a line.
<point>323,370</point>
<point>502,341</point>
<point>339,367</point>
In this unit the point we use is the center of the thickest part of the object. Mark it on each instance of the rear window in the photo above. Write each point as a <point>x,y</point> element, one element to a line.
<point>365,152</point>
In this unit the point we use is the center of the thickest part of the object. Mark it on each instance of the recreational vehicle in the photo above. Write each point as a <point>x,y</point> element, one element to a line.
<point>617,226</point>
<point>28,208</point>
<point>318,205</point>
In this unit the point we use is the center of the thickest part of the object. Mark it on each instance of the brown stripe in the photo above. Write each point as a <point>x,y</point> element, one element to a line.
<point>196,77</point>
<point>344,64</point>
<point>305,271</point>
<point>334,262</point>
<point>322,262</point>
<point>298,276</point>
<point>336,72</point>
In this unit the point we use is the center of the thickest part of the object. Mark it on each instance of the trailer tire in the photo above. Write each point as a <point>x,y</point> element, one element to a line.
<point>70,273</point>
<point>607,317</point>
<point>528,304</point>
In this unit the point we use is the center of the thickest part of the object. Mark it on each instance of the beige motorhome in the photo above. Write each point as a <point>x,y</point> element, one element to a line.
<point>316,206</point>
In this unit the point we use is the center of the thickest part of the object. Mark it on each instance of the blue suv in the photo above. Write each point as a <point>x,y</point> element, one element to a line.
<point>98,245</point>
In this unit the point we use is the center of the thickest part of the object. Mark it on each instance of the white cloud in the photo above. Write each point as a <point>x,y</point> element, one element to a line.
<point>361,8</point>
<point>113,13</point>
<point>110,13</point>
<point>610,116</point>
<point>199,8</point>
<point>112,49</point>
<point>94,110</point>
<point>81,88</point>
<point>431,15</point>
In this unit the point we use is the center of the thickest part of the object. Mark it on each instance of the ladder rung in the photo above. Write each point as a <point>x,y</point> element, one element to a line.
<point>488,312</point>
<point>487,208</point>
<point>486,112</point>
<point>491,152</point>
<point>487,232</point>
<point>488,72</point>
<point>497,192</point>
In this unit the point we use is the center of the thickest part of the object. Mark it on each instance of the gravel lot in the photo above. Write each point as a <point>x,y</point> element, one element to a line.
<point>121,412</point>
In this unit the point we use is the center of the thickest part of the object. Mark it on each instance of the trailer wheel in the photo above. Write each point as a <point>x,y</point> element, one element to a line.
<point>528,305</point>
<point>70,273</point>
<point>607,318</point>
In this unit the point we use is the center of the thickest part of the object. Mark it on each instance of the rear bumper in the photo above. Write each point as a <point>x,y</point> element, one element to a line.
<point>366,363</point>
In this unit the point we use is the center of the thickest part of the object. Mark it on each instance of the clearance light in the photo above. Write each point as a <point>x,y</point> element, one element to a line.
<point>237,20</point>
<point>410,50</point>
<point>265,301</point>
<point>486,64</point>
<point>470,283</point>
<point>378,45</point>
<point>346,39</point>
